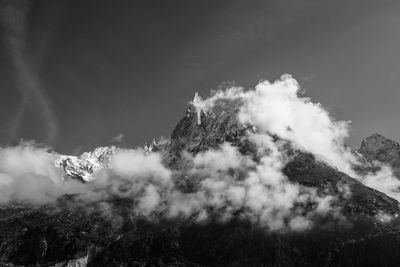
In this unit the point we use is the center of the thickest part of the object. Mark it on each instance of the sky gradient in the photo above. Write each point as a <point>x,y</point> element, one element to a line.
<point>131,67</point>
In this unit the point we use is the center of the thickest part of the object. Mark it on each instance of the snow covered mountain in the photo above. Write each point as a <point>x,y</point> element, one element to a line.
<point>82,167</point>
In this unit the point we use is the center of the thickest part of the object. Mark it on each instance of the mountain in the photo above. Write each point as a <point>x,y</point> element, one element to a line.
<point>381,149</point>
<point>196,133</point>
<point>215,129</point>
<point>84,166</point>
<point>73,232</point>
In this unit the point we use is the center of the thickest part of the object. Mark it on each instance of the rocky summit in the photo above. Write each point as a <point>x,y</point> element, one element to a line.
<point>107,232</point>
<point>199,132</point>
<point>381,149</point>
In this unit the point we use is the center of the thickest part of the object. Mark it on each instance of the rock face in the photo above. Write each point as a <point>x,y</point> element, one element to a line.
<point>211,130</point>
<point>379,148</point>
<point>108,234</point>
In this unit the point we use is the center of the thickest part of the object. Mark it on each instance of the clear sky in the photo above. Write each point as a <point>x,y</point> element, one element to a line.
<point>105,68</point>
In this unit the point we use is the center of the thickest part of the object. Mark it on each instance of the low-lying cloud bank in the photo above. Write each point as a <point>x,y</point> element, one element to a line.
<point>27,173</point>
<point>218,183</point>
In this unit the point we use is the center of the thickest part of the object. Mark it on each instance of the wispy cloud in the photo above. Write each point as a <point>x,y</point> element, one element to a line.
<point>14,16</point>
<point>119,138</point>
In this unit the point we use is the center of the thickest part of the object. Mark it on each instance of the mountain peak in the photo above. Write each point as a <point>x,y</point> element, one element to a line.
<point>382,149</point>
<point>213,130</point>
<point>376,137</point>
<point>374,145</point>
<point>82,167</point>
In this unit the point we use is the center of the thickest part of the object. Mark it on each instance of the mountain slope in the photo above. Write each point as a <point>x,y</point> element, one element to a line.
<point>110,233</point>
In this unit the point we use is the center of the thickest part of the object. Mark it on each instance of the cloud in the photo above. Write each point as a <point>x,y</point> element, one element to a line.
<point>27,173</point>
<point>278,108</point>
<point>225,158</point>
<point>384,181</point>
<point>219,183</point>
<point>14,16</point>
<point>228,183</point>
<point>134,164</point>
<point>223,183</point>
<point>119,138</point>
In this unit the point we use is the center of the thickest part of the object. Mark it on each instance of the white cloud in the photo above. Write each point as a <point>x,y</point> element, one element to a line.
<point>217,183</point>
<point>384,181</point>
<point>257,190</point>
<point>276,108</point>
<point>136,164</point>
<point>28,173</point>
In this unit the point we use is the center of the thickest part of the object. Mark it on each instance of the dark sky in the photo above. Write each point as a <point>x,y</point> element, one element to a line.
<point>131,67</point>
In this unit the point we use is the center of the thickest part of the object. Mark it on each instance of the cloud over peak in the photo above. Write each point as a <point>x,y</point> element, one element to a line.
<point>218,182</point>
